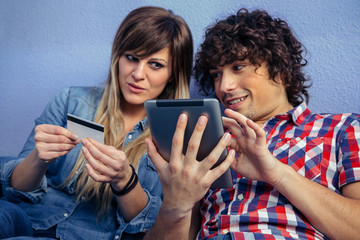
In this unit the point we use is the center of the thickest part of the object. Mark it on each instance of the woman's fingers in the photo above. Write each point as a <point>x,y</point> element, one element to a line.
<point>107,155</point>
<point>53,134</point>
<point>46,150</point>
<point>53,141</point>
<point>95,154</point>
<point>106,163</point>
<point>50,138</point>
<point>109,151</point>
<point>95,175</point>
<point>95,164</point>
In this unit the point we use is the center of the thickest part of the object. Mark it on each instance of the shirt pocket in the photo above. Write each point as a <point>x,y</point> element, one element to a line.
<point>302,154</point>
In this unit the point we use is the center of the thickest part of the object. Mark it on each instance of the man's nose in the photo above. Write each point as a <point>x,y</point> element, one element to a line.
<point>228,82</point>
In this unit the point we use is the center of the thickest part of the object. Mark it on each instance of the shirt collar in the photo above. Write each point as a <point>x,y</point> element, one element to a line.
<point>297,114</point>
<point>143,123</point>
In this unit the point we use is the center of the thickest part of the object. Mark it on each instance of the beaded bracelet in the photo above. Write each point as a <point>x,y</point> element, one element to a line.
<point>129,186</point>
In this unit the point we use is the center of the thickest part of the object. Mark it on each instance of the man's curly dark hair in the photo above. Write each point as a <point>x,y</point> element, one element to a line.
<point>258,37</point>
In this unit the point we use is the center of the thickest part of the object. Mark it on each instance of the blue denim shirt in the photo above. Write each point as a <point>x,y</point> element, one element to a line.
<point>53,204</point>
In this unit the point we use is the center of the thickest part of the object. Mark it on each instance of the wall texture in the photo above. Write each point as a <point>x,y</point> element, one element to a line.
<point>48,45</point>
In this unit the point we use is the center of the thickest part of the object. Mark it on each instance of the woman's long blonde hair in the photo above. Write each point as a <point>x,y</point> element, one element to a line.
<point>145,30</point>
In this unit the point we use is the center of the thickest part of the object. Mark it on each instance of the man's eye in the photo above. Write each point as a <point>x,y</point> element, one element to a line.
<point>131,57</point>
<point>238,67</point>
<point>215,75</point>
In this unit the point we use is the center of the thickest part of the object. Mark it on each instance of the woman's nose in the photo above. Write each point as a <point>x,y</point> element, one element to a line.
<point>139,71</point>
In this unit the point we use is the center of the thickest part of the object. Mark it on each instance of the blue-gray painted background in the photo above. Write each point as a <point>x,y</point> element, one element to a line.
<point>47,45</point>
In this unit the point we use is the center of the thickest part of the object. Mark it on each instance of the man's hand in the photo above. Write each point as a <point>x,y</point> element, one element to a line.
<point>254,160</point>
<point>184,179</point>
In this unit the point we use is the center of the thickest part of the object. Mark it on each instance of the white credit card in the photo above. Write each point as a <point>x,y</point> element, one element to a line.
<point>84,128</point>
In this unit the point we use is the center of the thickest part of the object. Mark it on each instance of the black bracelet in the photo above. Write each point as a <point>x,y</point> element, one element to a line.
<point>129,186</point>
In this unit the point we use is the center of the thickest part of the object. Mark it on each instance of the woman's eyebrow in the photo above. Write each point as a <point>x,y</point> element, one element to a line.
<point>159,59</point>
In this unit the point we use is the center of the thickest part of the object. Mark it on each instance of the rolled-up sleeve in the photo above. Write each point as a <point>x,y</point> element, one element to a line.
<point>145,219</point>
<point>151,184</point>
<point>52,114</point>
<point>349,153</point>
<point>11,194</point>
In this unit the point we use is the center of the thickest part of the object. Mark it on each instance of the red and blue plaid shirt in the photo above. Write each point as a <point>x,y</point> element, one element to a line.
<point>324,148</point>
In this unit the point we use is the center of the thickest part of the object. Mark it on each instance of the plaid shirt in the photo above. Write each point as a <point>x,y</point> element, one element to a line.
<point>324,148</point>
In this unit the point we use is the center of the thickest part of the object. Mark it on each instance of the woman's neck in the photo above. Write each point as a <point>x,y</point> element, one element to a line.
<point>132,115</point>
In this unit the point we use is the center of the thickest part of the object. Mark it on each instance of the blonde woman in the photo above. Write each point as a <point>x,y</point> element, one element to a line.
<point>79,188</point>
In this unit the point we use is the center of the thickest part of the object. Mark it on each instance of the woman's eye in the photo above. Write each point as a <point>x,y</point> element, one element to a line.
<point>156,65</point>
<point>131,57</point>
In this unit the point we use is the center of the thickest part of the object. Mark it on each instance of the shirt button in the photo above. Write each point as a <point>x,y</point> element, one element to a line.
<point>117,237</point>
<point>240,197</point>
<point>226,231</point>
<point>298,139</point>
<point>130,137</point>
<point>66,215</point>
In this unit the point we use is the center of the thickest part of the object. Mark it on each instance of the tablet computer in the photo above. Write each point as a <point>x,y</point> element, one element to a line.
<point>163,115</point>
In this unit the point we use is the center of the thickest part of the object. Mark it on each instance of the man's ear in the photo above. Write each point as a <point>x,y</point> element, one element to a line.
<point>279,78</point>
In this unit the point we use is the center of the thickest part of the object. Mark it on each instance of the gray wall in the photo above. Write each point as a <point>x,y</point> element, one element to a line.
<point>47,45</point>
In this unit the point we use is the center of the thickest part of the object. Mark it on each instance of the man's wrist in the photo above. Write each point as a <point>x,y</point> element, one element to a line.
<point>283,180</point>
<point>174,215</point>
<point>170,225</point>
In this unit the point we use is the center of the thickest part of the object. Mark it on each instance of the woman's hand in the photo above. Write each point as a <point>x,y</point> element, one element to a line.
<point>110,165</point>
<point>254,160</point>
<point>184,179</point>
<point>53,141</point>
<point>106,163</point>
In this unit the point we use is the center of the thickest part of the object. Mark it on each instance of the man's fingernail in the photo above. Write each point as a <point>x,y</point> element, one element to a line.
<point>227,136</point>
<point>202,119</point>
<point>182,117</point>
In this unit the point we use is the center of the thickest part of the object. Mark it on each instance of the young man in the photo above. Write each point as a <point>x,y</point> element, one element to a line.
<point>297,173</point>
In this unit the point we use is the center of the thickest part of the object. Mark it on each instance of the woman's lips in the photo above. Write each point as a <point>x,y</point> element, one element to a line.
<point>135,88</point>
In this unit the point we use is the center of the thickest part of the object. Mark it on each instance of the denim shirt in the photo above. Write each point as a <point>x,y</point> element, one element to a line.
<point>52,204</point>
